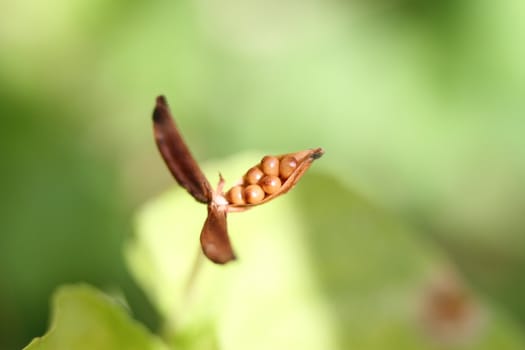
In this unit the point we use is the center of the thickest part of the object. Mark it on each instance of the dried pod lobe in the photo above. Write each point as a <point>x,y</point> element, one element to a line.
<point>176,154</point>
<point>291,168</point>
<point>215,241</point>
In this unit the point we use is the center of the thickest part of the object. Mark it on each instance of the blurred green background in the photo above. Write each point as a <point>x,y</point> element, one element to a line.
<point>419,105</point>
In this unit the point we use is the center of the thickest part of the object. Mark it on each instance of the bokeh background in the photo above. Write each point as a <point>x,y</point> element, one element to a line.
<point>419,105</point>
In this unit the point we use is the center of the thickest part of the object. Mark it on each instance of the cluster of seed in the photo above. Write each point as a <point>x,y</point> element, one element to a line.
<point>262,180</point>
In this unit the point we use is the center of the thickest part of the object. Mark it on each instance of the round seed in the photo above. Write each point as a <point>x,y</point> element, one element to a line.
<point>235,195</point>
<point>270,184</point>
<point>253,194</point>
<point>253,176</point>
<point>287,166</point>
<point>270,165</point>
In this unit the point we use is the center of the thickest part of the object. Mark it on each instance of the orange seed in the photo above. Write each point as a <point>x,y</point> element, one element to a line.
<point>253,194</point>
<point>270,165</point>
<point>235,195</point>
<point>270,184</point>
<point>253,176</point>
<point>287,166</point>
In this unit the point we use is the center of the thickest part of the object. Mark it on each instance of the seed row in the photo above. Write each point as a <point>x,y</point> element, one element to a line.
<point>262,180</point>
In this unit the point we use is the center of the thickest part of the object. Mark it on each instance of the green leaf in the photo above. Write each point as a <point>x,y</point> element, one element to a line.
<point>84,318</point>
<point>319,268</point>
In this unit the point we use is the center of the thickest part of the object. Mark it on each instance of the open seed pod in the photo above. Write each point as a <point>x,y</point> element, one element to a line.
<point>272,177</point>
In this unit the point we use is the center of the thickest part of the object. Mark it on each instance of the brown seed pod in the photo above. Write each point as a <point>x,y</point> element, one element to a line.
<point>253,194</point>
<point>236,195</point>
<point>253,176</point>
<point>287,166</point>
<point>214,238</point>
<point>270,165</point>
<point>215,241</point>
<point>270,184</point>
<point>176,154</point>
<point>303,161</point>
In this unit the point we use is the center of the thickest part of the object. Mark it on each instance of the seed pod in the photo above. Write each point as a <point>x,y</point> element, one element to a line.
<point>236,195</point>
<point>215,241</point>
<point>176,154</point>
<point>270,165</point>
<point>214,237</point>
<point>287,166</point>
<point>303,160</point>
<point>253,176</point>
<point>270,184</point>
<point>253,194</point>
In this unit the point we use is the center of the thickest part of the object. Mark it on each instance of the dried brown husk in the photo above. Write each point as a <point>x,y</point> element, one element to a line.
<point>214,237</point>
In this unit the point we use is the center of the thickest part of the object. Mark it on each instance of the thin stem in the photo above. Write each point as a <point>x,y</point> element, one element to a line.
<point>170,327</point>
<point>196,268</point>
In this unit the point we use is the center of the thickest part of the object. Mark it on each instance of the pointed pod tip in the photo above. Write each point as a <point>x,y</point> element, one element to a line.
<point>218,255</point>
<point>317,153</point>
<point>160,110</point>
<point>161,100</point>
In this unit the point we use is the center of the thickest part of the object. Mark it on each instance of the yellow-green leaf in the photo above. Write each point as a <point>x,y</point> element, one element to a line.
<point>84,318</point>
<point>319,268</point>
